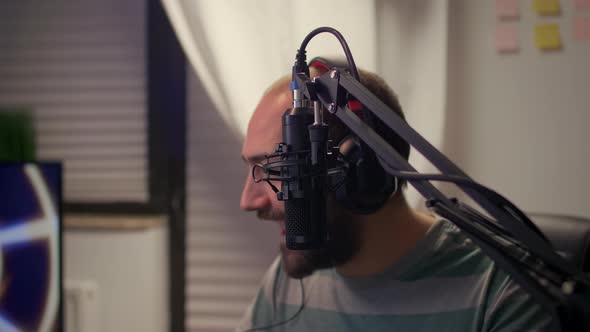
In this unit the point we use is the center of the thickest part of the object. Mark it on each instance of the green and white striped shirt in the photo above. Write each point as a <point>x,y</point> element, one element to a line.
<point>445,283</point>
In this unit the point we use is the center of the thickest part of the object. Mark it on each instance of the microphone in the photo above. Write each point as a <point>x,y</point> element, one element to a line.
<point>303,178</point>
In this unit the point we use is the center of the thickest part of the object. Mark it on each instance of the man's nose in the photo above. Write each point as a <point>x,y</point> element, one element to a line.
<point>254,196</point>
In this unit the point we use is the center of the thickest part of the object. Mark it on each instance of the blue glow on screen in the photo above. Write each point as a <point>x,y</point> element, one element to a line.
<point>30,248</point>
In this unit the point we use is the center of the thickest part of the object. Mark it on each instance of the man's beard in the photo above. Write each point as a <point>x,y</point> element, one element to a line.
<point>270,214</point>
<point>343,243</point>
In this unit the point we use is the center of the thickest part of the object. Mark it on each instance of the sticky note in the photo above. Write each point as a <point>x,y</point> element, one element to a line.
<point>507,9</point>
<point>581,27</point>
<point>506,38</point>
<point>547,7</point>
<point>547,36</point>
<point>581,4</point>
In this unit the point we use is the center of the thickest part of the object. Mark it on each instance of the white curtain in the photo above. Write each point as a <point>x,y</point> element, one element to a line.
<point>237,48</point>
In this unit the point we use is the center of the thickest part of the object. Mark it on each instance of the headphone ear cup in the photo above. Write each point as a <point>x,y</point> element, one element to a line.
<point>367,186</point>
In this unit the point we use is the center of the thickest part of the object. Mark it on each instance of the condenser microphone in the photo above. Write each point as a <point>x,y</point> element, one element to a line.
<point>304,176</point>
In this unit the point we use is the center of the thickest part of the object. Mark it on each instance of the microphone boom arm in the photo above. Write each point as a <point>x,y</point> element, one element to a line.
<point>509,237</point>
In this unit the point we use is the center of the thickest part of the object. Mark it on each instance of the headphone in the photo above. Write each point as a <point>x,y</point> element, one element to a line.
<point>366,186</point>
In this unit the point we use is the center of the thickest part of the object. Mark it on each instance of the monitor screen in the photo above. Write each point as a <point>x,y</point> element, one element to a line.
<point>30,247</point>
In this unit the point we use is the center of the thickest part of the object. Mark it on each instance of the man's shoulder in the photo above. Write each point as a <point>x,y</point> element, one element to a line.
<point>446,253</point>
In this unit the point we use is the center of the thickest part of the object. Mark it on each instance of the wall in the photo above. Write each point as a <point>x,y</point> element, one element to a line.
<point>130,268</point>
<point>518,122</point>
<point>412,58</point>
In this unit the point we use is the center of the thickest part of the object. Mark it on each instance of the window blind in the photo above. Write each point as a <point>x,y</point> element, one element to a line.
<point>228,250</point>
<point>79,66</point>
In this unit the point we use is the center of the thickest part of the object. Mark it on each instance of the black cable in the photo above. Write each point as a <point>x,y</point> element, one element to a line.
<point>300,62</point>
<point>351,64</point>
<point>301,306</point>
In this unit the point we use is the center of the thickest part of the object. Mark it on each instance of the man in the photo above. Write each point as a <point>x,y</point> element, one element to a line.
<point>393,270</point>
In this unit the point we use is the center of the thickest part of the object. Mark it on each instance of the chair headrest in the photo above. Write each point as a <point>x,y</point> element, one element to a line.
<point>569,235</point>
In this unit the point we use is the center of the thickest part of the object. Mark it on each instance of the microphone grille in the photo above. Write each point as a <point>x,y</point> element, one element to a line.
<point>297,217</point>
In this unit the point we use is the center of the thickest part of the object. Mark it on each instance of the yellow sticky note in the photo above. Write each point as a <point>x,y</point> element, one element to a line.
<point>547,36</point>
<point>547,7</point>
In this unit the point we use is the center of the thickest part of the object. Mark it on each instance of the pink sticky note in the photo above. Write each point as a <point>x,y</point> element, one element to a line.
<point>581,4</point>
<point>581,27</point>
<point>506,38</point>
<point>507,9</point>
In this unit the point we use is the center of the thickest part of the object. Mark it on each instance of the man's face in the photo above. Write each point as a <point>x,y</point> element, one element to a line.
<point>264,131</point>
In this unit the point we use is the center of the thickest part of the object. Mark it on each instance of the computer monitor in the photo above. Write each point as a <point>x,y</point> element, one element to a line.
<point>30,247</point>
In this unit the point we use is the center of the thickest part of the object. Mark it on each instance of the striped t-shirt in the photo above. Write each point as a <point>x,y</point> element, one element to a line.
<point>445,283</point>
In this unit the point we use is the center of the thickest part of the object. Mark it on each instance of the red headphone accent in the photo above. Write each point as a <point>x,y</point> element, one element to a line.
<point>322,66</point>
